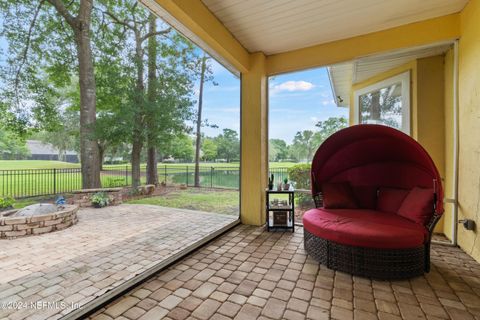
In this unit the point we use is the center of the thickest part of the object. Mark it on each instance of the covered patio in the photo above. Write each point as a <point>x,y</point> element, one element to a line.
<point>248,273</point>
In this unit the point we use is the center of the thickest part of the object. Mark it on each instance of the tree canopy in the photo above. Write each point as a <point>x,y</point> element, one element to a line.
<point>305,142</point>
<point>228,145</point>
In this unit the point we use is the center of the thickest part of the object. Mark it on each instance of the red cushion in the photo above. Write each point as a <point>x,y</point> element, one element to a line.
<point>364,228</point>
<point>390,199</point>
<point>338,195</point>
<point>366,196</point>
<point>417,205</point>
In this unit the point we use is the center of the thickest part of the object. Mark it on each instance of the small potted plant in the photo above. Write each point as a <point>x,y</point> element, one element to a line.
<point>100,200</point>
<point>286,185</point>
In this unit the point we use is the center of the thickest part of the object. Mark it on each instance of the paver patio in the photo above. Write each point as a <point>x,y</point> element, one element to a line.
<point>104,249</point>
<point>249,274</point>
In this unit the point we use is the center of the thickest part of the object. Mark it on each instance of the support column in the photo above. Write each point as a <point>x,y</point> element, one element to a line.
<point>254,136</point>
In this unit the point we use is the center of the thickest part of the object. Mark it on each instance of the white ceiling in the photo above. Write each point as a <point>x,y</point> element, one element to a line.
<point>343,75</point>
<point>273,26</point>
<point>367,67</point>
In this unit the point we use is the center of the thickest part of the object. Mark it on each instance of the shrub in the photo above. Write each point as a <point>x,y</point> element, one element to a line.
<point>299,174</point>
<point>6,202</point>
<point>111,182</point>
<point>100,200</point>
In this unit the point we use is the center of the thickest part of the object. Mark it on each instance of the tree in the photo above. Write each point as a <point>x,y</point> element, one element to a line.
<point>328,127</point>
<point>167,113</point>
<point>277,150</point>
<point>48,49</point>
<point>205,75</point>
<point>109,134</point>
<point>209,149</point>
<point>171,70</point>
<point>199,121</point>
<point>80,25</point>
<point>306,142</point>
<point>181,147</point>
<point>152,172</point>
<point>228,145</point>
<point>11,145</point>
<point>381,106</point>
<point>134,19</point>
<point>42,37</point>
<point>65,136</point>
<point>303,145</point>
<point>114,85</point>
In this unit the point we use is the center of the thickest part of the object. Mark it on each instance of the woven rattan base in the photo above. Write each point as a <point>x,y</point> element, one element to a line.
<point>386,264</point>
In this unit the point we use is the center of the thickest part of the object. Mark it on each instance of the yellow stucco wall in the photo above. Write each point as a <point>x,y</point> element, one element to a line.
<point>448,183</point>
<point>429,118</point>
<point>427,106</point>
<point>430,113</point>
<point>469,127</point>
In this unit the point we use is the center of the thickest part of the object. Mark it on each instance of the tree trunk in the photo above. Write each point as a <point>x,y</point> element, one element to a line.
<point>88,147</point>
<point>136,159</point>
<point>137,141</point>
<point>376,107</point>
<point>152,172</point>
<point>199,123</point>
<point>113,154</point>
<point>101,155</point>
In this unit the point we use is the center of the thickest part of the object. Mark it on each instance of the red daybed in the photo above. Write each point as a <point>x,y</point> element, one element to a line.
<point>378,196</point>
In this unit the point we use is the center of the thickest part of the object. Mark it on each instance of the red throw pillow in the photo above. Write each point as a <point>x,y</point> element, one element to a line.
<point>365,196</point>
<point>390,199</point>
<point>338,195</point>
<point>417,205</point>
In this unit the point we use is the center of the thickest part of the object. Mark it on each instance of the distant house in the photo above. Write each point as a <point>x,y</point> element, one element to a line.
<point>46,151</point>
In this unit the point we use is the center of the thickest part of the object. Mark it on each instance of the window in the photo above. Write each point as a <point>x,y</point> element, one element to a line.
<point>386,102</point>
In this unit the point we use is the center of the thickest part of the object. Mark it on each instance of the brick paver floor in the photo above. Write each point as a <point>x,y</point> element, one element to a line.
<point>251,274</point>
<point>104,249</point>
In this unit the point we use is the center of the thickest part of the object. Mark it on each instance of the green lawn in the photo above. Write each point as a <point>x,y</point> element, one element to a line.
<point>35,164</point>
<point>218,201</point>
<point>44,164</point>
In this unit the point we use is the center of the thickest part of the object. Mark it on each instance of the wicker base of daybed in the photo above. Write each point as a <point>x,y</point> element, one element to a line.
<point>386,264</point>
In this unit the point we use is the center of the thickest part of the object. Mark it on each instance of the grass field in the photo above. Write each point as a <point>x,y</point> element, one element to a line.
<point>43,164</point>
<point>35,164</point>
<point>218,201</point>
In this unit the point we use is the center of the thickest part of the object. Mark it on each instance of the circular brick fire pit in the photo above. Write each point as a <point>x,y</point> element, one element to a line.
<point>14,227</point>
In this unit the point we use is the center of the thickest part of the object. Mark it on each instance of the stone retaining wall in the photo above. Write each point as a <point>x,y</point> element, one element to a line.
<point>14,227</point>
<point>82,198</point>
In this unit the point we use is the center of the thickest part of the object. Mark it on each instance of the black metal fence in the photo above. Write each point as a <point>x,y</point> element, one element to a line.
<point>43,182</point>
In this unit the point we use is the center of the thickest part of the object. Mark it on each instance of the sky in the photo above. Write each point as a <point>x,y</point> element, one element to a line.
<point>297,101</point>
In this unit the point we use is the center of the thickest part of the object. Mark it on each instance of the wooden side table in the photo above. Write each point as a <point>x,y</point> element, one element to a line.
<point>280,210</point>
